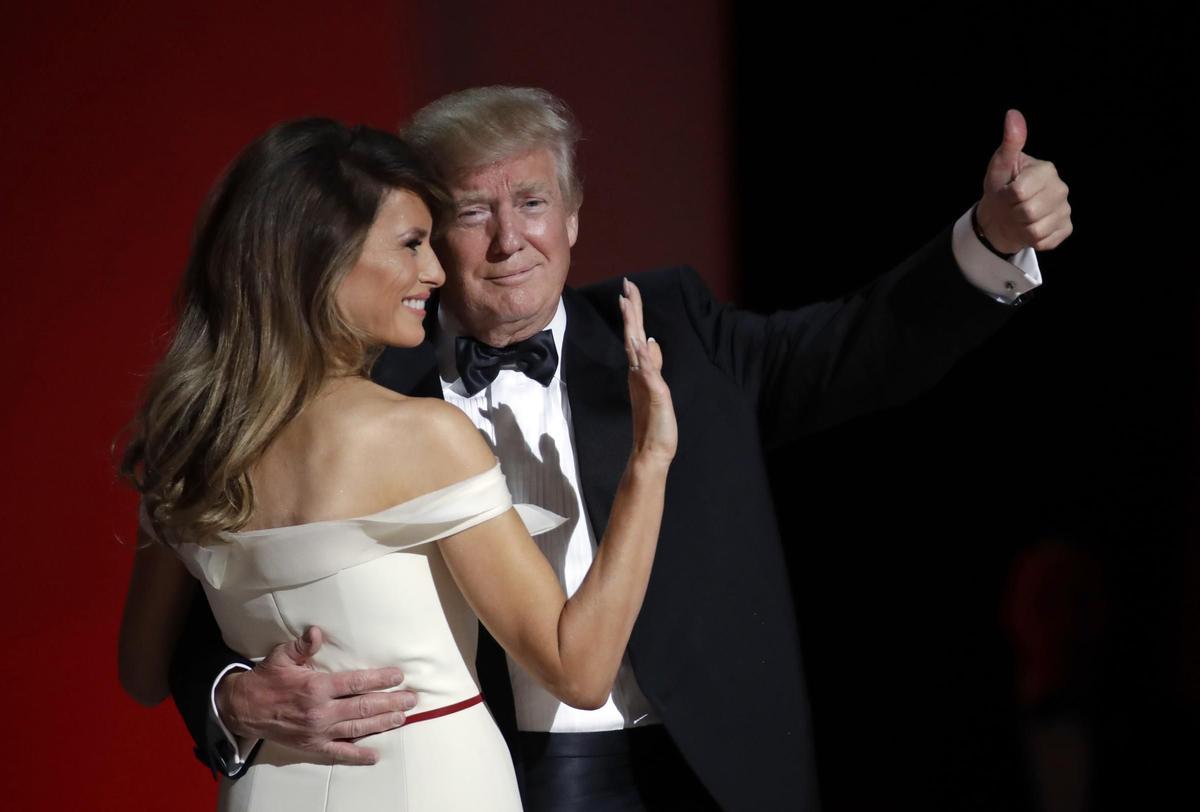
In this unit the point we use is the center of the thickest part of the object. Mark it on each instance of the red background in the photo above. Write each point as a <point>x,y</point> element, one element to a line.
<point>117,118</point>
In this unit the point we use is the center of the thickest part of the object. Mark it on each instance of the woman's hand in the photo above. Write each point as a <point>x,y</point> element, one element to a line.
<point>655,434</point>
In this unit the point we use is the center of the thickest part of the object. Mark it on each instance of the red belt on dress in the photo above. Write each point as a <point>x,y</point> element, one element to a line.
<point>442,711</point>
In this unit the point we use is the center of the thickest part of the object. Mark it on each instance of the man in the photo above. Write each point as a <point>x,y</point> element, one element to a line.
<point>709,705</point>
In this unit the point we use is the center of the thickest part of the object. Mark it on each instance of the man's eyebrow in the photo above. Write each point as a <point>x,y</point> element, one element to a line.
<point>531,187</point>
<point>471,198</point>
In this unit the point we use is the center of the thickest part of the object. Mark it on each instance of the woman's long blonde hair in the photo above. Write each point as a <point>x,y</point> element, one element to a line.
<point>258,329</point>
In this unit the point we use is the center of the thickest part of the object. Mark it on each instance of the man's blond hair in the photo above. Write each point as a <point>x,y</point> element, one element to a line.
<point>470,129</point>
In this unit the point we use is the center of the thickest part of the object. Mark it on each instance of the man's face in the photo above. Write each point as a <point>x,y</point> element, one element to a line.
<point>507,248</point>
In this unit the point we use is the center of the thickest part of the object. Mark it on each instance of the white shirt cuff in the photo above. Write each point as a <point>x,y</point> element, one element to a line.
<point>1003,280</point>
<point>233,765</point>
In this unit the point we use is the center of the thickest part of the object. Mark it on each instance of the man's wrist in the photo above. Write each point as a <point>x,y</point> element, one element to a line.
<point>1006,280</point>
<point>222,701</point>
<point>227,749</point>
<point>979,233</point>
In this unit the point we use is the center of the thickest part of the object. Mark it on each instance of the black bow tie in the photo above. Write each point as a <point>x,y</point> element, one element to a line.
<point>479,364</point>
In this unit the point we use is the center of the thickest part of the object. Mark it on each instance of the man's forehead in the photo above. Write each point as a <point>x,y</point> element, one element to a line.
<point>532,171</point>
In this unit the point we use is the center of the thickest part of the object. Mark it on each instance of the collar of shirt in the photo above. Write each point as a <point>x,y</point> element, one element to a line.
<point>449,330</point>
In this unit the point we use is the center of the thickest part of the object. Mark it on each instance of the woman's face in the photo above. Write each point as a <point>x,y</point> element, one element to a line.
<point>385,293</point>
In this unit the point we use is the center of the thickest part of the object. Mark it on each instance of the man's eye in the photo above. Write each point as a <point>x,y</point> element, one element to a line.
<point>471,215</point>
<point>534,203</point>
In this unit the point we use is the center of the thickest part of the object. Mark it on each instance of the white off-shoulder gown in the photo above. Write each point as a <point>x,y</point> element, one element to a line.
<point>383,596</point>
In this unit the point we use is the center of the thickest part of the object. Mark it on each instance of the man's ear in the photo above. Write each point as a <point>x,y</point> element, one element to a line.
<point>572,227</point>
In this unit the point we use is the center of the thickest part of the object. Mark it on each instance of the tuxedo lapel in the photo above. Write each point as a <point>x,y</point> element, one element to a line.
<point>595,371</point>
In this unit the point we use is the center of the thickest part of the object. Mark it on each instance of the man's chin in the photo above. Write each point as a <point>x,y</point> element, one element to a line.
<point>502,327</point>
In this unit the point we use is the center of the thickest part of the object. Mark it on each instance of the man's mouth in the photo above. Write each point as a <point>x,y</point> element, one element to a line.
<point>512,277</point>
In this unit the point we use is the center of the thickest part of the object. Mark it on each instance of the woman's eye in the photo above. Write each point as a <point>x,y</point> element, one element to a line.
<point>413,245</point>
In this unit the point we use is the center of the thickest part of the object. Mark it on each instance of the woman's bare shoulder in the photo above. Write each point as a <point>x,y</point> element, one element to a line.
<point>418,444</point>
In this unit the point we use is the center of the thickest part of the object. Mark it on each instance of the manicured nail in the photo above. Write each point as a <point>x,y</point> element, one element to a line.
<point>651,340</point>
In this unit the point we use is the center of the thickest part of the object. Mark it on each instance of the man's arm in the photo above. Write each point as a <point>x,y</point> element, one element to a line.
<point>816,366</point>
<point>825,363</point>
<point>281,698</point>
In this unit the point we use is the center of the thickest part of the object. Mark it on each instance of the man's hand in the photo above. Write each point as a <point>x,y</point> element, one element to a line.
<point>1024,201</point>
<point>284,700</point>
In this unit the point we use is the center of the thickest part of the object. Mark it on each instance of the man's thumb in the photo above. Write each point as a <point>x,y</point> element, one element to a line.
<point>306,645</point>
<point>1006,162</point>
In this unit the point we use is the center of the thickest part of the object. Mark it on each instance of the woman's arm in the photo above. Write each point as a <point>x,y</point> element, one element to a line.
<point>574,646</point>
<point>160,591</point>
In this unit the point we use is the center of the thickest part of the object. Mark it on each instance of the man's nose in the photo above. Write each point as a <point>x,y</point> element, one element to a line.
<point>508,238</point>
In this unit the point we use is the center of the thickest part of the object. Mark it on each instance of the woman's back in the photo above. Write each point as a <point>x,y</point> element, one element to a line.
<point>321,550</point>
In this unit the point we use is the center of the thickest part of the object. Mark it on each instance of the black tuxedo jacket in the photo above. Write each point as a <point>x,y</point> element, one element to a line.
<point>715,647</point>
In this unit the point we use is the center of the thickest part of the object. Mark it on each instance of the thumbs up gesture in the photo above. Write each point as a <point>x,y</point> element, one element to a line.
<point>1024,200</point>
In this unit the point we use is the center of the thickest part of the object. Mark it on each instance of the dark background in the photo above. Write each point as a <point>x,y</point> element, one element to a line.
<point>1070,435</point>
<point>788,163</point>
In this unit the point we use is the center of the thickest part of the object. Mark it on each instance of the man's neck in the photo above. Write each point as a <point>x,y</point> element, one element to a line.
<point>508,334</point>
<point>497,335</point>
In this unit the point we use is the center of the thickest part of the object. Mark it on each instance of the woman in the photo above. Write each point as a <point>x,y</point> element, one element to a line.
<point>300,493</point>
